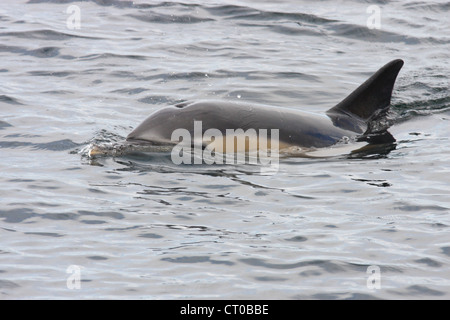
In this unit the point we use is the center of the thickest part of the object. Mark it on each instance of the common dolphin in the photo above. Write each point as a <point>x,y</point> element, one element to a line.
<point>353,119</point>
<point>349,119</point>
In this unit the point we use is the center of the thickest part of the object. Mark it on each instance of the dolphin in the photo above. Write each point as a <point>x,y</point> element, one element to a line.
<point>352,119</point>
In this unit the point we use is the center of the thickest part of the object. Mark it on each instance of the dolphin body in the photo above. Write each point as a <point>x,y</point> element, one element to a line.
<point>356,119</point>
<point>349,119</point>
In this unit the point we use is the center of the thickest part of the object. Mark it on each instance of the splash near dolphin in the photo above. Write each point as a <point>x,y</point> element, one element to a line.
<point>349,122</point>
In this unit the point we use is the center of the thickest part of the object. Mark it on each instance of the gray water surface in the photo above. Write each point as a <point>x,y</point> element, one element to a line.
<point>142,227</point>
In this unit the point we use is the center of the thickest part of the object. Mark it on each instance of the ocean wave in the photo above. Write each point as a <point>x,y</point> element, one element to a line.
<point>153,17</point>
<point>59,145</point>
<point>425,107</point>
<point>44,34</point>
<point>249,14</point>
<point>427,6</point>
<point>10,100</point>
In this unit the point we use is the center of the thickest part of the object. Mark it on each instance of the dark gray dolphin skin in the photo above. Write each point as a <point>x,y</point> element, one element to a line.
<point>350,118</point>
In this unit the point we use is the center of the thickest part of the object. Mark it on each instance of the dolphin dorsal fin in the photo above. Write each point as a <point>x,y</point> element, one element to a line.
<point>371,97</point>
